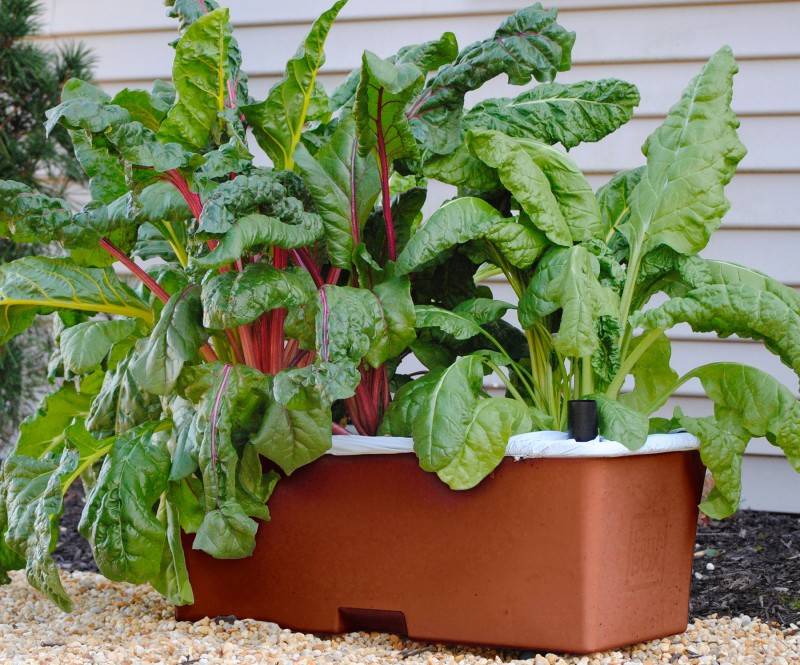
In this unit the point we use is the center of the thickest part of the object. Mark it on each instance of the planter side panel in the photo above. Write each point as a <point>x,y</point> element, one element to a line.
<point>372,541</point>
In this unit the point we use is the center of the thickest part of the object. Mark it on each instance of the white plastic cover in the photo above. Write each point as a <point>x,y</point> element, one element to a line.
<point>524,446</point>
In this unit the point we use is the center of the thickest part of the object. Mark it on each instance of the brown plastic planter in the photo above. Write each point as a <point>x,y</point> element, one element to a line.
<point>574,555</point>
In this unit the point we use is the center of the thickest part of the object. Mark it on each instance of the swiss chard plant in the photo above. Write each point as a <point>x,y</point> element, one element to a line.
<point>181,400</point>
<point>599,277</point>
<point>273,305</point>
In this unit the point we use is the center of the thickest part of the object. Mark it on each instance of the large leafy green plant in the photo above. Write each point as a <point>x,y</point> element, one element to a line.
<point>585,268</point>
<point>226,359</point>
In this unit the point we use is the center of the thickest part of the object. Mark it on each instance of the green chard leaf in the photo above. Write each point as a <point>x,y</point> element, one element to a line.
<point>344,185</point>
<point>200,72</point>
<point>441,426</point>
<point>144,107</point>
<point>294,437</point>
<point>233,298</point>
<point>33,494</point>
<point>86,345</point>
<point>256,230</point>
<point>680,199</point>
<point>228,410</point>
<point>279,120</point>
<point>567,279</point>
<point>747,403</point>
<point>45,431</point>
<point>654,378</point>
<point>528,44</point>
<point>618,422</point>
<point>408,403</point>
<point>39,285</point>
<point>456,222</point>
<point>614,199</point>
<point>546,183</point>
<point>119,519</point>
<point>730,308</point>
<point>272,193</point>
<point>494,421</point>
<point>173,342</point>
<point>383,93</point>
<point>568,114</point>
<point>121,405</point>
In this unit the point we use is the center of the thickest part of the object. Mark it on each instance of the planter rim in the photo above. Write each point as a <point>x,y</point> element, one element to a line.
<point>543,444</point>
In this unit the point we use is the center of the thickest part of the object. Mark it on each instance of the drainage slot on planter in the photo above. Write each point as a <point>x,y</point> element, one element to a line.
<point>355,619</point>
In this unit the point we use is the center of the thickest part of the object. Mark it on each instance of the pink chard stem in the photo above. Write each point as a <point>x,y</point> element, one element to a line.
<point>391,240</point>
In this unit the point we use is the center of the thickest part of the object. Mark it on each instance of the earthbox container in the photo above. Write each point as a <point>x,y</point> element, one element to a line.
<point>555,554</point>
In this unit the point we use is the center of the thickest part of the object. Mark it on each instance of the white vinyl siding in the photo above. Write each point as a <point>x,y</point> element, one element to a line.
<point>656,44</point>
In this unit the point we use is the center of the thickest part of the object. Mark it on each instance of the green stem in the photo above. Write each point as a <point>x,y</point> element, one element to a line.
<point>630,361</point>
<point>587,377</point>
<point>180,252</point>
<point>506,382</point>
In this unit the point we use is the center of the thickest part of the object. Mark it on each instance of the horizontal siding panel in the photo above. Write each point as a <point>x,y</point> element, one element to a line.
<point>683,33</point>
<point>760,86</point>
<point>772,252</point>
<point>69,16</point>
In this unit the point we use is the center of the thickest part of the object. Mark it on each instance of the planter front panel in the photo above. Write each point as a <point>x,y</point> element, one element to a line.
<point>560,554</point>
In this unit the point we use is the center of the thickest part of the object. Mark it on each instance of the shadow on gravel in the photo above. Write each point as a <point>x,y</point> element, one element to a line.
<point>754,559</point>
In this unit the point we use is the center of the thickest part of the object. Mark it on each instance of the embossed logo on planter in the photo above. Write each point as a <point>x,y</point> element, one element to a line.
<point>645,565</point>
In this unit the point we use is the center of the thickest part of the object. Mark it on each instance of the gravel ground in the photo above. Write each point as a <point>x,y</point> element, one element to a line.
<point>120,623</point>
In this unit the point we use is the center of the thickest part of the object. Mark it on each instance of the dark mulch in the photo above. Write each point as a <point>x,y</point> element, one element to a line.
<point>756,559</point>
<point>73,552</point>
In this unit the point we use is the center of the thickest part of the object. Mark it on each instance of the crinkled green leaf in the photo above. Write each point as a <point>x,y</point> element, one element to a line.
<point>173,342</point>
<point>140,146</point>
<point>234,298</point>
<point>568,114</point>
<point>279,120</point>
<point>34,502</point>
<point>493,423</point>
<point>383,93</point>
<point>344,185</point>
<point>256,230</point>
<point>86,107</point>
<point>546,183</point>
<point>528,44</point>
<point>680,198</point>
<point>733,308</point>
<point>747,403</point>
<point>271,193</point>
<point>200,72</point>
